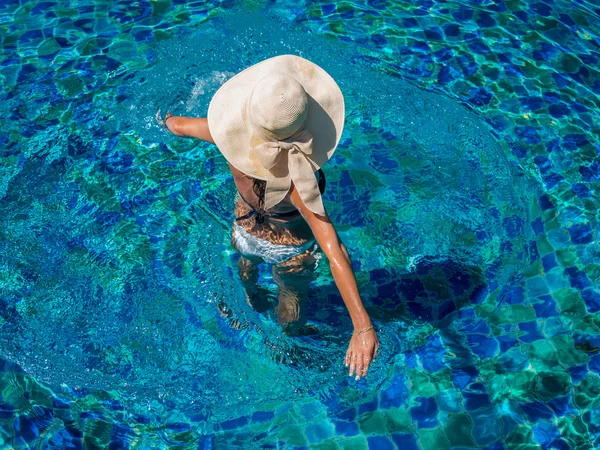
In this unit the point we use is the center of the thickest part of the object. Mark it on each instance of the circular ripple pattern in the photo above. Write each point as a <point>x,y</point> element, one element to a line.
<point>120,293</point>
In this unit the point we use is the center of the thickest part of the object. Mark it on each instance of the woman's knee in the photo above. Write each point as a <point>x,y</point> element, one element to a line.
<point>291,317</point>
<point>248,270</point>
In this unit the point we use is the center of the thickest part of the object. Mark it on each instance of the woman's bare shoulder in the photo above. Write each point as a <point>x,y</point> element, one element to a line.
<point>238,174</point>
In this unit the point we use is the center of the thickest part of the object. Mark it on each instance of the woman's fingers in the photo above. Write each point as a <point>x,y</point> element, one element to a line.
<point>366,363</point>
<point>359,357</point>
<point>359,368</point>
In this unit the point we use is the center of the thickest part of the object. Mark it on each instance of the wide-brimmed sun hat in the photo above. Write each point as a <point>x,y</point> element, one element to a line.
<point>279,120</point>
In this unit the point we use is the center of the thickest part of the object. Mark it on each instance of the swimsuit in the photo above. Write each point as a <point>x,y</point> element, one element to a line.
<point>252,246</point>
<point>260,215</point>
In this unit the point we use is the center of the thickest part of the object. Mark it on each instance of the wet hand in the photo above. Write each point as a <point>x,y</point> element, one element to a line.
<point>163,122</point>
<point>361,351</point>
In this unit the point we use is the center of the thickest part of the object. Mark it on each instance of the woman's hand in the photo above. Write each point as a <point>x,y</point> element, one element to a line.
<point>163,122</point>
<point>361,351</point>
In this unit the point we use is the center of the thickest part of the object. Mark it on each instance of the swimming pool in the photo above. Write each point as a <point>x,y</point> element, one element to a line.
<point>464,188</point>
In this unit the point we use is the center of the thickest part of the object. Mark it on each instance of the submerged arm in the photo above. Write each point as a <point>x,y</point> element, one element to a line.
<point>363,346</point>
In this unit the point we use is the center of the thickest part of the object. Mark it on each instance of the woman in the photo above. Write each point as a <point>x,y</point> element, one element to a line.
<point>277,123</point>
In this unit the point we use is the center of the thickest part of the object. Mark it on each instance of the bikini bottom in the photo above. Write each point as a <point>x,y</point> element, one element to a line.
<point>251,246</point>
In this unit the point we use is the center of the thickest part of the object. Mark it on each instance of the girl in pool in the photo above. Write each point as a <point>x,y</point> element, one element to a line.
<point>277,123</point>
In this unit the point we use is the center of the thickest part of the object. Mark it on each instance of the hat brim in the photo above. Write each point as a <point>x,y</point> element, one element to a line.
<point>232,130</point>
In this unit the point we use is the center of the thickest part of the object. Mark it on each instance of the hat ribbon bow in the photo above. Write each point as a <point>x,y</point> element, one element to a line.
<point>290,160</point>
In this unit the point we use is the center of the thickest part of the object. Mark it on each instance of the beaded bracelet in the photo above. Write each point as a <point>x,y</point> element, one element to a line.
<point>163,122</point>
<point>363,331</point>
<point>167,117</point>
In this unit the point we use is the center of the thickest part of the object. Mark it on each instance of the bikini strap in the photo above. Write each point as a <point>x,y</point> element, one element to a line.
<point>245,216</point>
<point>322,181</point>
<point>260,216</point>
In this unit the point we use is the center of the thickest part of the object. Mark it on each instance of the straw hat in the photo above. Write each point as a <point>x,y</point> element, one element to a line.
<point>279,120</point>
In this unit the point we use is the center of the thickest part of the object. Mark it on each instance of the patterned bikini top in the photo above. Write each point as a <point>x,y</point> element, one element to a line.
<point>260,215</point>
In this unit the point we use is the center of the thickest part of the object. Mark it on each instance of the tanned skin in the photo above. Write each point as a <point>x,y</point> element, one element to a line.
<point>363,347</point>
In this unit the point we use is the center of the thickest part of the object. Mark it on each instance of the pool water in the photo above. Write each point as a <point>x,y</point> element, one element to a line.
<point>463,187</point>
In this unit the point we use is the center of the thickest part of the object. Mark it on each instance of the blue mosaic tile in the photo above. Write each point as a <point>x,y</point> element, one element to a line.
<point>581,190</point>
<point>535,411</point>
<point>537,226</point>
<point>343,428</point>
<point>511,416</point>
<point>405,441</point>
<point>563,405</point>
<point>318,432</point>
<point>347,414</point>
<point>396,395</point>
<point>370,406</point>
<point>328,8</point>
<point>463,377</point>
<point>482,346</point>
<point>234,423</point>
<point>558,110</point>
<point>590,173</point>
<point>594,363</point>
<point>410,360</point>
<point>546,307</point>
<point>380,443</point>
<point>515,296</point>
<point>578,373</point>
<point>556,280</point>
<point>545,202</point>
<point>57,403</point>
<point>555,326</point>
<point>506,342</point>
<point>546,434</point>
<point>532,330</point>
<point>581,234</point>
<point>574,141</point>
<point>473,401</point>
<point>549,262</point>
<point>514,360</point>
<point>578,278</point>
<point>449,400</point>
<point>262,416</point>
<point>591,299</point>
<point>25,429</point>
<point>425,415</point>
<point>536,286</point>
<point>430,354</point>
<point>491,432</point>
<point>590,418</point>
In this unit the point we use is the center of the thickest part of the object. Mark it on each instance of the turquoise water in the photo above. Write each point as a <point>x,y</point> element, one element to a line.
<point>463,188</point>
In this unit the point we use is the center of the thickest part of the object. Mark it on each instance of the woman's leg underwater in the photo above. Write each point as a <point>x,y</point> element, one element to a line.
<point>293,278</point>
<point>256,296</point>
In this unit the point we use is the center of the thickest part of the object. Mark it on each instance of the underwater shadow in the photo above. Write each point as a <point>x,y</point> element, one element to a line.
<point>435,291</point>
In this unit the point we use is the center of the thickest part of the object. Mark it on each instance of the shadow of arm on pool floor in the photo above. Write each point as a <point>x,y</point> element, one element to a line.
<point>434,292</point>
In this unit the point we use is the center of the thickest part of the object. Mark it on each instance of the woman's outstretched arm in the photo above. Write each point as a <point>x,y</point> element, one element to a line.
<point>189,127</point>
<point>363,346</point>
